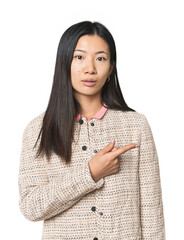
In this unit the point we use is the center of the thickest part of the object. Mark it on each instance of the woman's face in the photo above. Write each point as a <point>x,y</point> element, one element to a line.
<point>91,61</point>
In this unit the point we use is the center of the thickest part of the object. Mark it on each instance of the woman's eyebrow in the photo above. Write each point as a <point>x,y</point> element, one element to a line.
<point>95,53</point>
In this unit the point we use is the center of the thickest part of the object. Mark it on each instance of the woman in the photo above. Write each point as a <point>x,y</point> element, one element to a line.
<point>72,175</point>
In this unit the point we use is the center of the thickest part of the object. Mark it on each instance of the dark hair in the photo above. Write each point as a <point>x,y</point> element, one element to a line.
<point>58,121</point>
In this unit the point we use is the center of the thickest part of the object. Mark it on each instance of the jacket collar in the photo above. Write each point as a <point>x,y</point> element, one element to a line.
<point>98,115</point>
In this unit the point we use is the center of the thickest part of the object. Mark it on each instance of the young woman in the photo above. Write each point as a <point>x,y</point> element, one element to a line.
<point>89,166</point>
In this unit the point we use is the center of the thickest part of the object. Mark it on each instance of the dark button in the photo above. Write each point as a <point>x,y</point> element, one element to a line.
<point>81,121</point>
<point>93,209</point>
<point>101,213</point>
<point>95,151</point>
<point>84,148</point>
<point>95,238</point>
<point>92,124</point>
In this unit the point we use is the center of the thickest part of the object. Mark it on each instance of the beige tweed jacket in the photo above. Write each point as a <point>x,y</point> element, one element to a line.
<point>126,205</point>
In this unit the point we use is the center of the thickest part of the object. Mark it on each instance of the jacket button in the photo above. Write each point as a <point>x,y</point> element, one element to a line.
<point>95,238</point>
<point>92,124</point>
<point>81,121</point>
<point>84,148</point>
<point>101,213</point>
<point>95,151</point>
<point>93,209</point>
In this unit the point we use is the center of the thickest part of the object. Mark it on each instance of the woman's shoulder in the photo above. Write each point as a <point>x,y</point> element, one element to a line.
<point>133,116</point>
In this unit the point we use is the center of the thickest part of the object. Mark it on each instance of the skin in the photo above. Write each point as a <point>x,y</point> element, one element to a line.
<point>85,65</point>
<point>88,64</point>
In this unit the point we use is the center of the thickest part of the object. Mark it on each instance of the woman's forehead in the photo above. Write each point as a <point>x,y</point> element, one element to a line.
<point>92,43</point>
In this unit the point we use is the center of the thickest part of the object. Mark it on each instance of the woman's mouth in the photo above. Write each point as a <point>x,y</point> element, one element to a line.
<point>89,83</point>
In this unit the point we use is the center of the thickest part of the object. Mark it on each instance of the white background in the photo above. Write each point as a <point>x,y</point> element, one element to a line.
<point>149,37</point>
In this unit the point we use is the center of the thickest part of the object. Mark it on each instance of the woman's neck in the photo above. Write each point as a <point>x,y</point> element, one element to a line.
<point>89,106</point>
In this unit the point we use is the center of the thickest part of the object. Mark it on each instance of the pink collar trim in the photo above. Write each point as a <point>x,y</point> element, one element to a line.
<point>98,115</point>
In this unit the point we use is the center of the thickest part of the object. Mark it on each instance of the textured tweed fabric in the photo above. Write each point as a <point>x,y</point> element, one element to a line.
<point>124,205</point>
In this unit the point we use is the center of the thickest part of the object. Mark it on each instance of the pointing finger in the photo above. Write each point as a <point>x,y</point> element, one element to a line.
<point>123,149</point>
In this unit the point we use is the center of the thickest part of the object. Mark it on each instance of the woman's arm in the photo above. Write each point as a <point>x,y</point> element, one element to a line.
<point>40,198</point>
<point>151,205</point>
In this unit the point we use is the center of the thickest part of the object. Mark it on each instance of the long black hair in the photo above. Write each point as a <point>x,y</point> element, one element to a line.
<point>59,118</point>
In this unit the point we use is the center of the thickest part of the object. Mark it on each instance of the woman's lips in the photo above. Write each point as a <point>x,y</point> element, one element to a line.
<point>89,83</point>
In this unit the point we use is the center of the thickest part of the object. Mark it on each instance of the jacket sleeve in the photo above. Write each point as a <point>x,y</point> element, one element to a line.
<point>41,199</point>
<point>151,205</point>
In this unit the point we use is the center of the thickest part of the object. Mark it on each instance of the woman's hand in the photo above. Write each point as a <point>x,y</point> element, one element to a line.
<point>106,161</point>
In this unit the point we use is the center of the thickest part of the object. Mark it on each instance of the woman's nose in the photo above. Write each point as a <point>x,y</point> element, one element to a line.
<point>90,66</point>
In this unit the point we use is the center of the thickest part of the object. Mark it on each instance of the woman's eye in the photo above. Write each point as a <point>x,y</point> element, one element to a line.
<point>101,58</point>
<point>78,56</point>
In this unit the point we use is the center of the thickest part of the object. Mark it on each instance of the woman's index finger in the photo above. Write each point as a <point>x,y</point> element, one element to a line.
<point>123,149</point>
